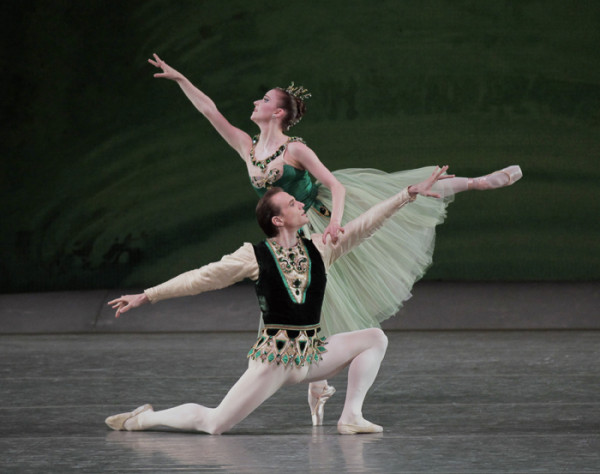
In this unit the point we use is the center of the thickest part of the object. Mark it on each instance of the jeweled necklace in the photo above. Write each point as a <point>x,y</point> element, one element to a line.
<point>262,164</point>
<point>291,259</point>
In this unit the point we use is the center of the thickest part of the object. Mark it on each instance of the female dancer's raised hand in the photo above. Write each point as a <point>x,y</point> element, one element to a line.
<point>236,138</point>
<point>168,71</point>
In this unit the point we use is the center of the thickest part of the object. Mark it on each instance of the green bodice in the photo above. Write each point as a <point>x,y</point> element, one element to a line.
<point>295,182</point>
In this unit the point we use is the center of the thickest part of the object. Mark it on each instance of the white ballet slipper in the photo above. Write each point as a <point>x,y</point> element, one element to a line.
<point>117,422</point>
<point>364,428</point>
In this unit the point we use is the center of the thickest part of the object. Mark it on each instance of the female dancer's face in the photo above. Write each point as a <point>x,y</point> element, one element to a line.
<point>265,108</point>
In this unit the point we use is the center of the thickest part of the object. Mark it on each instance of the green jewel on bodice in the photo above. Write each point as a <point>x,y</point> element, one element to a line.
<point>262,164</point>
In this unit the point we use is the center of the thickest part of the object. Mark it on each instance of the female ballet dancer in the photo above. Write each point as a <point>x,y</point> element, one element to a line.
<point>370,284</point>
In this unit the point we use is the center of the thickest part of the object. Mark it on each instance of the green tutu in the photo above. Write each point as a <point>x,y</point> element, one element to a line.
<point>369,284</point>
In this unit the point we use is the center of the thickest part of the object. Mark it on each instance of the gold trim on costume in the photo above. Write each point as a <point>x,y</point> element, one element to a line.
<point>294,267</point>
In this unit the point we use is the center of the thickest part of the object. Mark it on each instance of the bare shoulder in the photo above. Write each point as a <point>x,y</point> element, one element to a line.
<point>301,152</point>
<point>297,144</point>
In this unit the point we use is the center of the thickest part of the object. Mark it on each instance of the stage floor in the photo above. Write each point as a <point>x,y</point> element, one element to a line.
<point>449,401</point>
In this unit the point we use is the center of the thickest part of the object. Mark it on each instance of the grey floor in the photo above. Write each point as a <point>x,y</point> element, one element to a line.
<point>456,401</point>
<point>449,401</point>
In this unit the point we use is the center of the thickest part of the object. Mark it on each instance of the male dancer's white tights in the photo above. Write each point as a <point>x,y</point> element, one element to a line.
<point>362,351</point>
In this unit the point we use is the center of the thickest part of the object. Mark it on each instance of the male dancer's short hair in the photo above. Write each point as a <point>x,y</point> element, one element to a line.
<point>266,210</point>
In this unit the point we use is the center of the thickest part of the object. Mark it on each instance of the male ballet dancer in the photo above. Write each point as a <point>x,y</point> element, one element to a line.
<point>290,274</point>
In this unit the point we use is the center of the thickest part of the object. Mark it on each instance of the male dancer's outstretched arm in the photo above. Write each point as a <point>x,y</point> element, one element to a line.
<point>242,263</point>
<point>229,270</point>
<point>365,225</point>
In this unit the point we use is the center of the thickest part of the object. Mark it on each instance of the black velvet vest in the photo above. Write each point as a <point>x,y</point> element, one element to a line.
<point>276,304</point>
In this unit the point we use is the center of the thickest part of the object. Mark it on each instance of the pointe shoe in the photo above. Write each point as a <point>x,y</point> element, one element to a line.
<point>316,402</point>
<point>117,422</point>
<point>350,429</point>
<point>513,173</point>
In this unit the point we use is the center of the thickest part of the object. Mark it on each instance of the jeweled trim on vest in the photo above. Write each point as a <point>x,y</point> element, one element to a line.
<point>275,345</point>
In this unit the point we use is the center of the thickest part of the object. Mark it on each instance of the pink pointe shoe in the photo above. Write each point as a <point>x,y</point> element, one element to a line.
<point>497,179</point>
<point>364,428</point>
<point>316,402</point>
<point>117,422</point>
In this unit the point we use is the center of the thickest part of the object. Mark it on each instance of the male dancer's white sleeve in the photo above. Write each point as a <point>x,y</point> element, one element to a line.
<point>361,228</point>
<point>230,269</point>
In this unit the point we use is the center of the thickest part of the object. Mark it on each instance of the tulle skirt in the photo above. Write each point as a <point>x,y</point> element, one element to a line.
<point>370,284</point>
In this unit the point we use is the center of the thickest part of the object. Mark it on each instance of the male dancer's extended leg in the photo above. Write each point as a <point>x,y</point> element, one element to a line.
<point>363,351</point>
<point>256,385</point>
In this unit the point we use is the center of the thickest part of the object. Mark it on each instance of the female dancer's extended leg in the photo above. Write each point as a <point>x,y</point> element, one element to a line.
<point>497,179</point>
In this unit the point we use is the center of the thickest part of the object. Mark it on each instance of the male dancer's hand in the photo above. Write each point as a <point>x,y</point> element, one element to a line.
<point>424,187</point>
<point>127,302</point>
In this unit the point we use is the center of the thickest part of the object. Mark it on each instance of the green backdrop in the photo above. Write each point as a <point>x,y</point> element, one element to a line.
<point>110,178</point>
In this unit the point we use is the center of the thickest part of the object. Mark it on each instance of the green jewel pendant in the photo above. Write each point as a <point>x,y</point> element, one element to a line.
<point>264,163</point>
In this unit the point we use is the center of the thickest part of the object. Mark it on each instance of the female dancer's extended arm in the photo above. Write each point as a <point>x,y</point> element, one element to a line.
<point>239,140</point>
<point>305,158</point>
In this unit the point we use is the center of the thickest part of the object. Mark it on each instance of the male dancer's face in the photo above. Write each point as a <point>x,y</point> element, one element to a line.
<point>291,214</point>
